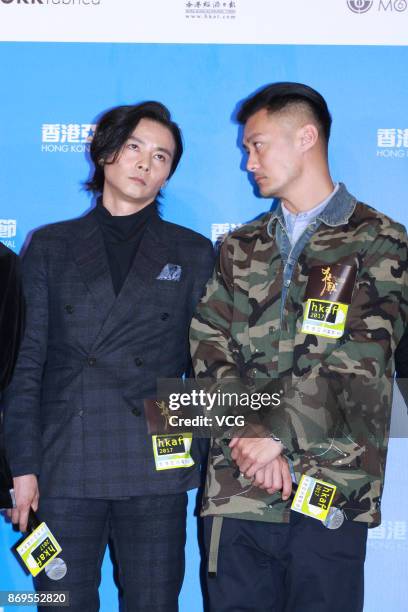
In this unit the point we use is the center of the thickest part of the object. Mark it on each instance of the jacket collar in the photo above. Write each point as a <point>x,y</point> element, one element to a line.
<point>337,212</point>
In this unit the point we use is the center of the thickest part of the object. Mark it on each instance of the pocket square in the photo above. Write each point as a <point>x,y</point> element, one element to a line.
<point>170,272</point>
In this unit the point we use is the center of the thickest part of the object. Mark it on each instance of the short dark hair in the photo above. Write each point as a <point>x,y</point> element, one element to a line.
<point>115,127</point>
<point>277,96</point>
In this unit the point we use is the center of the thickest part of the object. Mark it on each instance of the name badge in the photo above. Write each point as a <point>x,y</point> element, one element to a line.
<point>172,451</point>
<point>314,498</point>
<point>38,549</point>
<point>324,318</point>
<point>328,295</point>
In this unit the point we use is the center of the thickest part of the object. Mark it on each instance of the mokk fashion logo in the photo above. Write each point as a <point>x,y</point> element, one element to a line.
<point>54,2</point>
<point>381,6</point>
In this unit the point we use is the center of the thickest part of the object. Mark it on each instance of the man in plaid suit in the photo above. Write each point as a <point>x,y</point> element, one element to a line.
<point>109,301</point>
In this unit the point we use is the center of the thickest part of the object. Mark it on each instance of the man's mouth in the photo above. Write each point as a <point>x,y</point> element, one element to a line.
<point>138,180</point>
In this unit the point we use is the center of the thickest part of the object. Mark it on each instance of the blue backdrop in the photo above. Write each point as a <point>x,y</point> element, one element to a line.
<point>51,97</point>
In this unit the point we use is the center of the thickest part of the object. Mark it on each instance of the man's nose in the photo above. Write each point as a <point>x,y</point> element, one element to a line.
<point>143,163</point>
<point>252,162</point>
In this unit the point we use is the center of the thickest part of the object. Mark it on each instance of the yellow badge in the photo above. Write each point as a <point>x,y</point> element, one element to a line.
<point>38,549</point>
<point>324,318</point>
<point>313,498</point>
<point>172,451</point>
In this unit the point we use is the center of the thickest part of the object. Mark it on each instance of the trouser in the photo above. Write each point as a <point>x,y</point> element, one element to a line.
<point>148,534</point>
<point>297,567</point>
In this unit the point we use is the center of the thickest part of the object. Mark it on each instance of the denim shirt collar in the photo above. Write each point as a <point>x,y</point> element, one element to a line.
<point>337,212</point>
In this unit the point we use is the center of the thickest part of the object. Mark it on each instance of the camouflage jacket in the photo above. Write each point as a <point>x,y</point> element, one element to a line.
<point>334,420</point>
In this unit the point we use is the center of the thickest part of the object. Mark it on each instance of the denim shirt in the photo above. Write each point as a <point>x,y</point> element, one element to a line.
<point>335,212</point>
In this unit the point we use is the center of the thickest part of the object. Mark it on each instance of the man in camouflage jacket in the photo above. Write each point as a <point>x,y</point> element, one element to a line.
<point>256,325</point>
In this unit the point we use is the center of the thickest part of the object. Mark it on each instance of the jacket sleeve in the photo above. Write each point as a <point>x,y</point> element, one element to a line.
<point>22,398</point>
<point>11,315</point>
<point>210,338</point>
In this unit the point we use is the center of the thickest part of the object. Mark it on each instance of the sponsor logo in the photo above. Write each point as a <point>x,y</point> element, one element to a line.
<point>392,142</point>
<point>360,6</point>
<point>8,231</point>
<point>220,230</point>
<point>381,6</point>
<point>399,6</point>
<point>54,2</point>
<point>389,535</point>
<point>66,137</point>
<point>210,9</point>
<point>8,228</point>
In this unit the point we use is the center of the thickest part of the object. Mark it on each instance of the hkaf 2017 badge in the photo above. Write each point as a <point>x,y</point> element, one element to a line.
<point>313,498</point>
<point>328,296</point>
<point>172,451</point>
<point>324,318</point>
<point>38,549</point>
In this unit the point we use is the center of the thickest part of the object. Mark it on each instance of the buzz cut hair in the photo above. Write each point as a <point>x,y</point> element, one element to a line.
<point>287,96</point>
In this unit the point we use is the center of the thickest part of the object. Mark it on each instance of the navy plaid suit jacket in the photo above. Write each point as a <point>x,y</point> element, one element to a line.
<point>74,412</point>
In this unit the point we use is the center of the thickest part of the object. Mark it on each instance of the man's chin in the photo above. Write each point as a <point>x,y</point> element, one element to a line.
<point>265,191</point>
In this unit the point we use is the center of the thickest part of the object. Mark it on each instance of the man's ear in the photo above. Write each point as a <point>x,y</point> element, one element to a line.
<point>308,136</point>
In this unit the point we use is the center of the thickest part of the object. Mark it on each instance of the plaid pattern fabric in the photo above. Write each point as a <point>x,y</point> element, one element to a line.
<point>74,410</point>
<point>148,535</point>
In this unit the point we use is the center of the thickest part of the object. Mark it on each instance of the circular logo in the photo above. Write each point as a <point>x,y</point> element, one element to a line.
<point>56,569</point>
<point>401,5</point>
<point>335,518</point>
<point>360,6</point>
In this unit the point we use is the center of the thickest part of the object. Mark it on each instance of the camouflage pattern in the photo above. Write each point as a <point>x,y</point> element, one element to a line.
<point>334,421</point>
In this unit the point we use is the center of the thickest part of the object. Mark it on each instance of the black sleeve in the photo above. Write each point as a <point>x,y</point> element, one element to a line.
<point>11,329</point>
<point>401,366</point>
<point>11,314</point>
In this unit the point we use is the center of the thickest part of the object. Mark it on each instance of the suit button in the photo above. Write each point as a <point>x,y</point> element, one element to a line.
<point>69,308</point>
<point>136,411</point>
<point>164,316</point>
<point>91,361</point>
<point>138,361</point>
<point>81,413</point>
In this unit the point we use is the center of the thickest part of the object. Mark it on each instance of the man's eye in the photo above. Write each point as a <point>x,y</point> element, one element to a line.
<point>160,157</point>
<point>133,146</point>
<point>258,145</point>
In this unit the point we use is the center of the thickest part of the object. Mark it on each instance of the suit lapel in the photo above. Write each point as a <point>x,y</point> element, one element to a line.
<point>152,256</point>
<point>89,253</point>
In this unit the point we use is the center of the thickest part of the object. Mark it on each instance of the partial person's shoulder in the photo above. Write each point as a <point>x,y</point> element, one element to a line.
<point>57,231</point>
<point>246,233</point>
<point>185,235</point>
<point>375,222</point>
<point>6,253</point>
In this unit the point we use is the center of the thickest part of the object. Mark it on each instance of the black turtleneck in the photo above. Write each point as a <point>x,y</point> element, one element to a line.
<point>122,237</point>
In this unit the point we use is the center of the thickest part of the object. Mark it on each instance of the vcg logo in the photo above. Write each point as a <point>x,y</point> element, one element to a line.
<point>360,6</point>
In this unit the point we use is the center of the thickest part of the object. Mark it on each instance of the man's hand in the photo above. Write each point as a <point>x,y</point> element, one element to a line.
<point>275,476</point>
<point>252,454</point>
<point>27,495</point>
